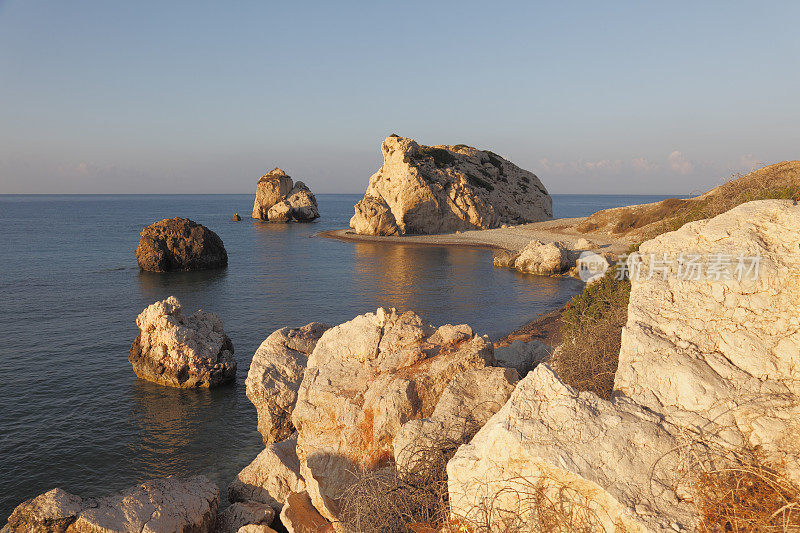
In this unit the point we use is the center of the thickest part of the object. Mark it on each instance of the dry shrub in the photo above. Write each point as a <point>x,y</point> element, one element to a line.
<point>592,329</point>
<point>413,498</point>
<point>739,492</point>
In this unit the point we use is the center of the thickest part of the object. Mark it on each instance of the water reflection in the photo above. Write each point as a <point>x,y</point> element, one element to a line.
<point>157,285</point>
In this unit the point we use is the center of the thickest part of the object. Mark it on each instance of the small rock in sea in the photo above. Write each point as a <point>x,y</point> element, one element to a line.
<point>279,199</point>
<point>176,244</point>
<point>180,351</point>
<point>236,217</point>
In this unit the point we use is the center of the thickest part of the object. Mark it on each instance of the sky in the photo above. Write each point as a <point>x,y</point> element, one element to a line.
<point>205,97</point>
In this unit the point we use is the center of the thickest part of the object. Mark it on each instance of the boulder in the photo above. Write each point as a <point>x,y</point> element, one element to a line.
<point>551,451</point>
<point>436,189</point>
<point>591,267</point>
<point>543,258</point>
<point>364,380</point>
<point>279,199</point>
<point>167,504</point>
<point>373,217</point>
<point>175,244</point>
<point>280,212</point>
<point>241,514</point>
<point>275,375</point>
<point>271,188</point>
<point>522,356</point>
<point>300,516</point>
<point>468,401</point>
<point>181,351</point>
<point>256,528</point>
<point>272,475</point>
<point>236,217</point>
<point>719,348</point>
<point>303,203</point>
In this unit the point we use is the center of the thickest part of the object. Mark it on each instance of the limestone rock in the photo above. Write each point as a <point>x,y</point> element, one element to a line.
<point>543,258</point>
<point>241,514</point>
<point>722,354</point>
<point>167,504</point>
<point>522,356</point>
<point>436,189</point>
<point>256,528</point>
<point>272,475</point>
<point>279,199</point>
<point>271,188</point>
<point>300,516</point>
<point>613,460</point>
<point>303,203</point>
<point>469,400</point>
<point>364,379</point>
<point>505,258</point>
<point>175,244</point>
<point>236,217</point>
<point>181,351</point>
<point>280,212</point>
<point>52,511</point>
<point>275,375</point>
<point>373,217</point>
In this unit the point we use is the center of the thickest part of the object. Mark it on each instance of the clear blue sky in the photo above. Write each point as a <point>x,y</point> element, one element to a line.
<point>170,96</point>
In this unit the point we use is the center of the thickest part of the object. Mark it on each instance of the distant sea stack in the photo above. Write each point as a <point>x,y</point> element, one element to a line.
<point>437,189</point>
<point>278,199</point>
<point>179,351</point>
<point>176,244</point>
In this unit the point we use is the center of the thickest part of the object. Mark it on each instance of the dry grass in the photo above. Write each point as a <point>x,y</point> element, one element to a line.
<point>592,329</point>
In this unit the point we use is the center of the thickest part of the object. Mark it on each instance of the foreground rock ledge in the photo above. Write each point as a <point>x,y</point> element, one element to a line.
<point>160,505</point>
<point>180,351</point>
<point>436,189</point>
<point>177,244</point>
<point>279,199</point>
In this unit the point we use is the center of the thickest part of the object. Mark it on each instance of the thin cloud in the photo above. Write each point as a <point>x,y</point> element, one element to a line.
<point>679,163</point>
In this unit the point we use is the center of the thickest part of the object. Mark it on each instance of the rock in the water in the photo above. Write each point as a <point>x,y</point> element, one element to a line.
<point>275,375</point>
<point>552,449</point>
<point>364,379</point>
<point>241,514</point>
<point>272,475</point>
<point>160,505</point>
<point>522,356</point>
<point>279,199</point>
<point>176,244</point>
<point>711,350</point>
<point>373,217</point>
<point>181,351</point>
<point>300,516</point>
<point>469,400</point>
<point>236,217</point>
<point>543,258</point>
<point>436,189</point>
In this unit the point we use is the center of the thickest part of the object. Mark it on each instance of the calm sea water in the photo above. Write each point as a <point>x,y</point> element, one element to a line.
<point>72,412</point>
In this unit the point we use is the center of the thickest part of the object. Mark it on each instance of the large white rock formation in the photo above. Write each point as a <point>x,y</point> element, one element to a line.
<point>435,189</point>
<point>364,380</point>
<point>718,352</point>
<point>179,351</point>
<point>551,448</point>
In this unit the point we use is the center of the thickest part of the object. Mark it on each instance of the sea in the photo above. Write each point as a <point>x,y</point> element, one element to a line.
<point>72,412</point>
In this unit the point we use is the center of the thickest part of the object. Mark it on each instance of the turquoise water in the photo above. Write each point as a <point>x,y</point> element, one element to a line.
<point>72,412</point>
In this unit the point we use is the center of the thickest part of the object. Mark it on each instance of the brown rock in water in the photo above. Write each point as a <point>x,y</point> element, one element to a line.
<point>177,244</point>
<point>180,351</point>
<point>236,217</point>
<point>167,504</point>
